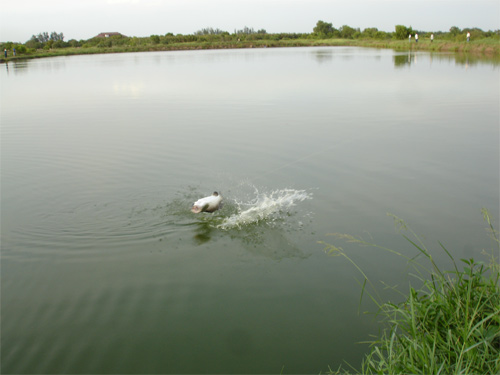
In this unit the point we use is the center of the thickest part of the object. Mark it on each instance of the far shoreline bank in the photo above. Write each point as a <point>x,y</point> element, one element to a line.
<point>479,49</point>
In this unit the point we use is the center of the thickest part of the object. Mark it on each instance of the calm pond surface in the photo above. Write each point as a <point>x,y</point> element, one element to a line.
<point>104,269</point>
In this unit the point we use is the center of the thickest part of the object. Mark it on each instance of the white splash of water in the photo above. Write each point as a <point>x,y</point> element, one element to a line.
<point>264,207</point>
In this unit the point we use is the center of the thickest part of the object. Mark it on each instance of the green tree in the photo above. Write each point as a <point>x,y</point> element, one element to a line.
<point>323,29</point>
<point>155,39</point>
<point>347,32</point>
<point>34,43</point>
<point>455,31</point>
<point>210,31</point>
<point>56,36</point>
<point>382,35</point>
<point>402,32</point>
<point>20,48</point>
<point>43,37</point>
<point>369,32</point>
<point>246,31</point>
<point>48,44</point>
<point>59,44</point>
<point>74,43</point>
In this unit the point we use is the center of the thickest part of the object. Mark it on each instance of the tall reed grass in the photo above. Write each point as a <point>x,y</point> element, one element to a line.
<point>450,324</point>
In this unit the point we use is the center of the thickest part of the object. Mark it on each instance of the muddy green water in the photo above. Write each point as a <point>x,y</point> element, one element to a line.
<point>104,269</point>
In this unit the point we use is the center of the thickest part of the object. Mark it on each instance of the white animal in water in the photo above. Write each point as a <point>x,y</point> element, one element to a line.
<point>208,204</point>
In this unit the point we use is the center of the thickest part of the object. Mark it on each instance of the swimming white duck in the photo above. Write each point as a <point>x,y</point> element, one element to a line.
<point>208,204</point>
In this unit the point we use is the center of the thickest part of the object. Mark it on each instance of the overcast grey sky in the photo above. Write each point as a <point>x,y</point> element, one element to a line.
<point>83,19</point>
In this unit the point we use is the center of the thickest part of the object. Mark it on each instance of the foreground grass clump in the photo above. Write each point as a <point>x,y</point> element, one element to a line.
<point>450,324</point>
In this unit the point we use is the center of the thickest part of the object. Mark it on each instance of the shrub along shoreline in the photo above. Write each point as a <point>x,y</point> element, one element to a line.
<point>448,324</point>
<point>487,48</point>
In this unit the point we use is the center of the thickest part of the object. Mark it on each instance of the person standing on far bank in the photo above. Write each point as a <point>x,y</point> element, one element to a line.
<point>468,37</point>
<point>5,52</point>
<point>432,38</point>
<point>416,38</point>
<point>409,38</point>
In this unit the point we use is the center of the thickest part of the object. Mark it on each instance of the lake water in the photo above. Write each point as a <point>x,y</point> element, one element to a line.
<point>104,269</point>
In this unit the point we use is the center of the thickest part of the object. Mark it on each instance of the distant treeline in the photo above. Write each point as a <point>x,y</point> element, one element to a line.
<point>455,34</point>
<point>322,30</point>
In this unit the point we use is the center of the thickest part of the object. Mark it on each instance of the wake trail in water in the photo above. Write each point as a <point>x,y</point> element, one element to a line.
<point>266,206</point>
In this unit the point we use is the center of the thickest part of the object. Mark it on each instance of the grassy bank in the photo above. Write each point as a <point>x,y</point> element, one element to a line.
<point>449,324</point>
<point>489,48</point>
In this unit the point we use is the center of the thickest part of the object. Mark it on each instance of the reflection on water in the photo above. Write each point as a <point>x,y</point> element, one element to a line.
<point>462,59</point>
<point>203,233</point>
<point>320,55</point>
<point>402,60</point>
<point>16,67</point>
